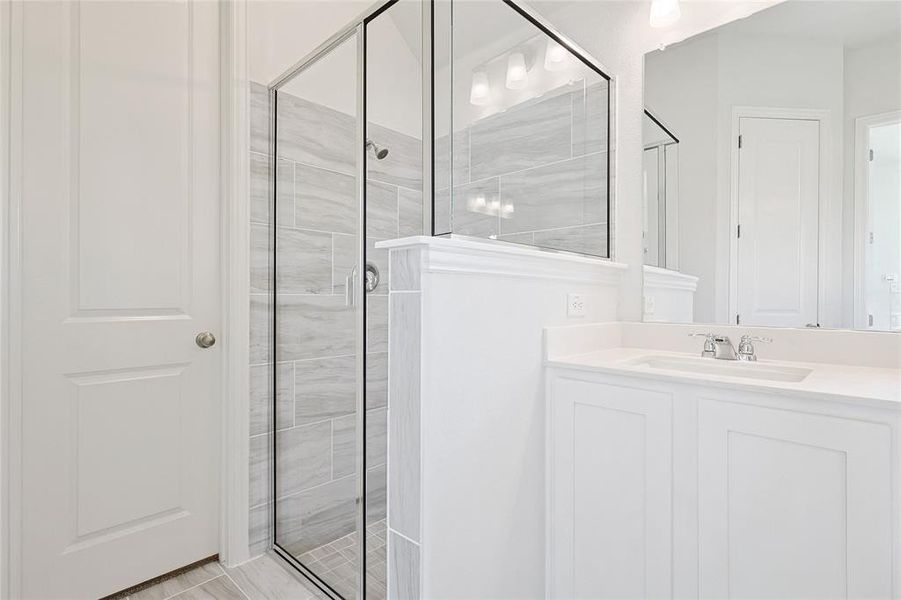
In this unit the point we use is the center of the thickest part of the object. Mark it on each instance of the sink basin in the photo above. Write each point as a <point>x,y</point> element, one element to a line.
<point>727,368</point>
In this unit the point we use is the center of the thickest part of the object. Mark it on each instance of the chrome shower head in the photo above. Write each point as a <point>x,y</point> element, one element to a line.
<point>379,151</point>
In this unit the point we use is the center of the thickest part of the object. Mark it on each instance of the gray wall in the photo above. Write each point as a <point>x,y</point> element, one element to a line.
<point>317,223</point>
<point>547,158</point>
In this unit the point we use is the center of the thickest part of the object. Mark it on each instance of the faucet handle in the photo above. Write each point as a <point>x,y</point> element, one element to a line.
<point>746,350</point>
<point>754,338</point>
<point>709,344</point>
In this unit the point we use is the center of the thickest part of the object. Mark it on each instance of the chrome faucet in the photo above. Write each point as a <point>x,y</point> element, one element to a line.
<point>746,350</point>
<point>717,346</point>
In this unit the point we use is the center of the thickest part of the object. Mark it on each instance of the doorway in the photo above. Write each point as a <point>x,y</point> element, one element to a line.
<point>115,400</point>
<point>347,132</point>
<point>776,257</point>
<point>878,215</point>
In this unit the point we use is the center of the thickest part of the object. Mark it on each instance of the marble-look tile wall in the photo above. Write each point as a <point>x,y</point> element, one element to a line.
<point>317,225</point>
<point>545,160</point>
<point>404,428</point>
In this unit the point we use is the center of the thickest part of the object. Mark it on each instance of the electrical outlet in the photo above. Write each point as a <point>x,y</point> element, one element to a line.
<point>649,305</point>
<point>575,305</point>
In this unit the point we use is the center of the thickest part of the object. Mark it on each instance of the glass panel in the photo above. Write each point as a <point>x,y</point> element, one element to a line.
<point>393,209</point>
<point>316,335</point>
<point>651,188</point>
<point>660,194</point>
<point>529,135</point>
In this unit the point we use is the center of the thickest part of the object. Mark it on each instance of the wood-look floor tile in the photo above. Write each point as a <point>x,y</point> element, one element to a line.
<point>179,583</point>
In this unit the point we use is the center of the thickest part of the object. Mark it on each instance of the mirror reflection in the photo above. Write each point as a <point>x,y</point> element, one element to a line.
<point>772,181</point>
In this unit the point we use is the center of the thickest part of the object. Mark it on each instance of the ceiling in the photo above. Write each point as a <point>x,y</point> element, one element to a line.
<point>852,23</point>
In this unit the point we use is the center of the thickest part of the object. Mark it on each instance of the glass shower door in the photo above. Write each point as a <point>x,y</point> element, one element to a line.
<point>318,318</point>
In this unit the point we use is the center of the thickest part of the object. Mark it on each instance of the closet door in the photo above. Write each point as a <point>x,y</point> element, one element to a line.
<point>116,161</point>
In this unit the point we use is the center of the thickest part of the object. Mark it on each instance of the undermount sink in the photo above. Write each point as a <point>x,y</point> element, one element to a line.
<point>727,368</point>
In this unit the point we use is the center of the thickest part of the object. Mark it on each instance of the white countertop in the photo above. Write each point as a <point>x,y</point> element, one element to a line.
<point>826,381</point>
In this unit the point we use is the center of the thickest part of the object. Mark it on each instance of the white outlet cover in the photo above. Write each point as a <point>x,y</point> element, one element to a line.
<point>575,305</point>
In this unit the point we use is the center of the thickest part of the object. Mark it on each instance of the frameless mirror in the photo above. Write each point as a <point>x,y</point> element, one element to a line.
<point>772,181</point>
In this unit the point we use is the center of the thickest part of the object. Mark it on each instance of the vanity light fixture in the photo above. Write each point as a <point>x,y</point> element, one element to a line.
<point>517,73</point>
<point>664,13</point>
<point>555,56</point>
<point>480,92</point>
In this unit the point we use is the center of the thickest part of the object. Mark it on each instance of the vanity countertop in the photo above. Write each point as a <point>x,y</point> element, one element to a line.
<point>824,381</point>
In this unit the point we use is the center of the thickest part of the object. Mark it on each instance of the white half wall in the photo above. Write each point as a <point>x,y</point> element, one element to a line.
<point>483,306</point>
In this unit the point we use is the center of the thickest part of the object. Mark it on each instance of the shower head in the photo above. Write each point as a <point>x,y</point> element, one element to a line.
<point>379,151</point>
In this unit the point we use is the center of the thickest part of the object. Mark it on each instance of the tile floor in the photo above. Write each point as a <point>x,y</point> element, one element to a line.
<point>268,578</point>
<point>336,562</point>
<point>265,578</point>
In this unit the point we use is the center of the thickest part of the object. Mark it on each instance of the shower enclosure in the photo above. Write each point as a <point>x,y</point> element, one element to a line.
<point>382,133</point>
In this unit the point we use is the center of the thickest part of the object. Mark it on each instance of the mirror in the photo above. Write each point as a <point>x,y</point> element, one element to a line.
<point>772,170</point>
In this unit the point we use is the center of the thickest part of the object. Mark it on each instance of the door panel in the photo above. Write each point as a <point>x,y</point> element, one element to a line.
<point>319,305</point>
<point>121,270</point>
<point>792,504</point>
<point>778,208</point>
<point>611,482</point>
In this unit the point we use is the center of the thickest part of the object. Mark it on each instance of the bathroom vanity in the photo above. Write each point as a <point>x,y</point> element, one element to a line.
<point>672,475</point>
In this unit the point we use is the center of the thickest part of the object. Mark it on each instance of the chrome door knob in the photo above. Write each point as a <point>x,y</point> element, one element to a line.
<point>205,339</point>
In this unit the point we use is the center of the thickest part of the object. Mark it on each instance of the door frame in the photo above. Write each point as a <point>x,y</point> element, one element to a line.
<point>862,126</point>
<point>10,298</point>
<point>823,117</point>
<point>234,537</point>
<point>234,233</point>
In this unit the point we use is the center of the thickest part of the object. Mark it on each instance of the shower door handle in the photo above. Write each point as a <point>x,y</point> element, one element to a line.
<point>349,288</point>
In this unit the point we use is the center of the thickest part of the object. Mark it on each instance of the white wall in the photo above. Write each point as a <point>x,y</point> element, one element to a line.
<point>484,307</point>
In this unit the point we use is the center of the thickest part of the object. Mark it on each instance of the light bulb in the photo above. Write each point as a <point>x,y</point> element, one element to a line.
<point>480,92</point>
<point>517,74</point>
<point>664,13</point>
<point>555,56</point>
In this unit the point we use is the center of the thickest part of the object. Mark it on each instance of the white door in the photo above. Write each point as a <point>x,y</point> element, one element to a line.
<point>119,190</point>
<point>882,243</point>
<point>778,212</point>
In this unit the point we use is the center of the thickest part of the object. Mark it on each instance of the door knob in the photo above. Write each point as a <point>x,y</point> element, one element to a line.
<point>205,339</point>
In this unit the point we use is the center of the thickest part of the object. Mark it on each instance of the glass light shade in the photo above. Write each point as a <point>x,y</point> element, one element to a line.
<point>556,56</point>
<point>480,92</point>
<point>517,74</point>
<point>664,12</point>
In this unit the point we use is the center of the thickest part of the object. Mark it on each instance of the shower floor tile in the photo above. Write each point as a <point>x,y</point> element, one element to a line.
<point>336,562</point>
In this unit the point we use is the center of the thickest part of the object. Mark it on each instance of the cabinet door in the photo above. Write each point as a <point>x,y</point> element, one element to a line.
<point>610,488</point>
<point>793,504</point>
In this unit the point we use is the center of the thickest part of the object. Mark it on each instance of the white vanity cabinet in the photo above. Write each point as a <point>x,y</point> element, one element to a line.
<point>665,489</point>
